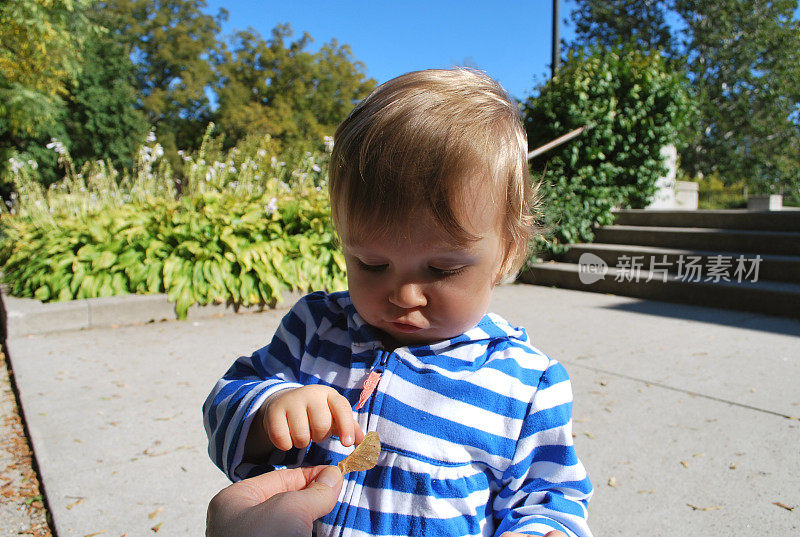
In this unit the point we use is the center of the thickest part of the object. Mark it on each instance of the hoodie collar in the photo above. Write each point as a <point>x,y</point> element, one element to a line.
<point>363,337</point>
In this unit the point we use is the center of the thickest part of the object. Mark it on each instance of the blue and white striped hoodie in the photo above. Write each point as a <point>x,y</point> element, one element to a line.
<point>476,431</point>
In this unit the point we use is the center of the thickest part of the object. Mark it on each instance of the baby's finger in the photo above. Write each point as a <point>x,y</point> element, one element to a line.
<point>278,430</point>
<point>320,420</point>
<point>359,433</point>
<point>342,414</point>
<point>298,426</point>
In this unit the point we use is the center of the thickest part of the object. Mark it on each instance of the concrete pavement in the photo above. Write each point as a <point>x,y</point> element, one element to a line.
<point>686,417</point>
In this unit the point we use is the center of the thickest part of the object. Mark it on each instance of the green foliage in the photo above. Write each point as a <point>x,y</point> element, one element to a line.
<point>101,120</point>
<point>641,23</point>
<point>98,74</point>
<point>244,230</point>
<point>173,42</point>
<point>40,56</point>
<point>714,194</point>
<point>634,106</point>
<point>745,61</point>
<point>279,88</point>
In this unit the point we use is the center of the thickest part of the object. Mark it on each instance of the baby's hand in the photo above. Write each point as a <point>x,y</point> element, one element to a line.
<point>297,416</point>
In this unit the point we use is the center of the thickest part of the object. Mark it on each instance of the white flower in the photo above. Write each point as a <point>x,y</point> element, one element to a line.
<point>33,164</point>
<point>158,151</point>
<point>57,146</point>
<point>261,153</point>
<point>328,143</point>
<point>272,206</point>
<point>316,168</point>
<point>16,165</point>
<point>151,137</point>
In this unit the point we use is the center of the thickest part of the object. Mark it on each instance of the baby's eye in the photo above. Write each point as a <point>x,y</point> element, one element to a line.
<point>371,268</point>
<point>448,271</point>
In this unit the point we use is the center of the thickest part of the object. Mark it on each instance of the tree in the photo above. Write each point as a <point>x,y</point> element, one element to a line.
<point>101,118</point>
<point>633,104</point>
<point>281,89</point>
<point>745,63</point>
<point>40,56</point>
<point>172,43</point>
<point>642,23</point>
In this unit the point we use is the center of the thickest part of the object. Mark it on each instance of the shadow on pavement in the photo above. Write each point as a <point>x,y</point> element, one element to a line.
<point>732,318</point>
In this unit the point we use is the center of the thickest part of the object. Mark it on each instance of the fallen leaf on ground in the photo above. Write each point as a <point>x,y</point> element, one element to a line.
<point>709,508</point>
<point>612,482</point>
<point>685,464</point>
<point>76,502</point>
<point>780,504</point>
<point>93,534</point>
<point>156,527</point>
<point>155,513</point>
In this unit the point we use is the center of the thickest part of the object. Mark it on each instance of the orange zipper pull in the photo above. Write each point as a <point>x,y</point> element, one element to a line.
<point>369,386</point>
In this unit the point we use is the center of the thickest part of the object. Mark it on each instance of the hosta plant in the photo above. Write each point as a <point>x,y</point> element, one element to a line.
<point>243,230</point>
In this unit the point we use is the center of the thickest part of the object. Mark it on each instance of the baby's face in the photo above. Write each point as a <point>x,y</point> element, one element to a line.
<point>422,288</point>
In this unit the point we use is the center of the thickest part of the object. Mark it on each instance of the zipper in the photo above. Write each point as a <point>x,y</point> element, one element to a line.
<point>370,384</point>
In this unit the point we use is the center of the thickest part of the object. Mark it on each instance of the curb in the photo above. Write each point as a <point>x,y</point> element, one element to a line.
<point>26,316</point>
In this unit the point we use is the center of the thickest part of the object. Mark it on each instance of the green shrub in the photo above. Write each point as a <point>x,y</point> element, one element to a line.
<point>713,193</point>
<point>634,105</point>
<point>243,230</point>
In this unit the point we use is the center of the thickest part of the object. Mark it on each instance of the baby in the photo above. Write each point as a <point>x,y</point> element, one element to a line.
<point>432,200</point>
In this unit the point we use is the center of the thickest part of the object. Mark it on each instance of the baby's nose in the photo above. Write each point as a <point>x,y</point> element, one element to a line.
<point>408,295</point>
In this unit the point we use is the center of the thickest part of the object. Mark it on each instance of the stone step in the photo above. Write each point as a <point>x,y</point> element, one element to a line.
<point>781,268</point>
<point>717,239</point>
<point>786,220</point>
<point>772,298</point>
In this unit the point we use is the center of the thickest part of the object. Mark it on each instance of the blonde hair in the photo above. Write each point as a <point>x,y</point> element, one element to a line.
<point>418,141</point>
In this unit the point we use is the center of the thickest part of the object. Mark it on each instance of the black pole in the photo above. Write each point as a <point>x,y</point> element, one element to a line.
<point>556,60</point>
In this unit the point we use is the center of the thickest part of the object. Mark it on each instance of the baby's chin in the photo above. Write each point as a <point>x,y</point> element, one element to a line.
<point>394,339</point>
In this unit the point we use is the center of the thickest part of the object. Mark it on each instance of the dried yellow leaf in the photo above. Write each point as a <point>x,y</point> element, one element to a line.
<point>709,508</point>
<point>365,456</point>
<point>155,513</point>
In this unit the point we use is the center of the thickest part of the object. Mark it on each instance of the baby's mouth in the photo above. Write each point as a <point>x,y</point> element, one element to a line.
<point>405,327</point>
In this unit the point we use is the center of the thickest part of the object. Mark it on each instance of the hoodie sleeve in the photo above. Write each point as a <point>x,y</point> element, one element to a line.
<point>230,407</point>
<point>546,488</point>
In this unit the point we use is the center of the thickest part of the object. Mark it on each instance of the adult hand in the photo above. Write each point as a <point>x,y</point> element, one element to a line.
<point>283,503</point>
<point>554,533</point>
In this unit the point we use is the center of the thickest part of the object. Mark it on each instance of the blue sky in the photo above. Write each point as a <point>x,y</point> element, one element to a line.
<point>510,39</point>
